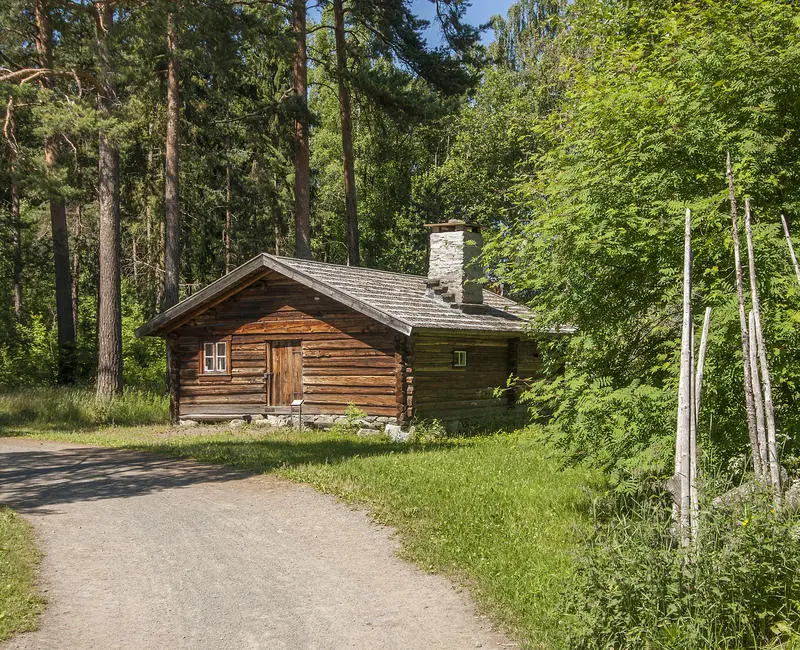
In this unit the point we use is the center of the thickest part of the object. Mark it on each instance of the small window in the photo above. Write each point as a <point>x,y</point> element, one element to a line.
<point>459,358</point>
<point>215,357</point>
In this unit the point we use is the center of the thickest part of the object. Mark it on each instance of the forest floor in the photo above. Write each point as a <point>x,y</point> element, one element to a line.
<point>493,513</point>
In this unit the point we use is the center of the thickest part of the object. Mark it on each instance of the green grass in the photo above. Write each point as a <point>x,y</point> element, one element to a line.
<point>20,604</point>
<point>78,408</point>
<point>494,512</point>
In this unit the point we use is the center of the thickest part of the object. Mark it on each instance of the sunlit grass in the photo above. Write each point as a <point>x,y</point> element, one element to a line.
<point>79,408</point>
<point>20,603</point>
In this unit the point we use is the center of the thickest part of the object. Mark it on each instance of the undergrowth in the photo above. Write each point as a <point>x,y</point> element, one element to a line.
<point>739,587</point>
<point>79,408</point>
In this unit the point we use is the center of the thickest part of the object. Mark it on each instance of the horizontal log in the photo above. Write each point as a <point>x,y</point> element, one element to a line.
<point>362,390</point>
<point>356,380</point>
<point>357,399</point>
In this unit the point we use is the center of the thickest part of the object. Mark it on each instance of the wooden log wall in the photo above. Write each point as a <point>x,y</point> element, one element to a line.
<point>347,357</point>
<point>438,390</point>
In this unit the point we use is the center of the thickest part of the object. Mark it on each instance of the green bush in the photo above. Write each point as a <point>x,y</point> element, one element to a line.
<point>80,408</point>
<point>739,588</point>
<point>626,432</point>
<point>353,416</point>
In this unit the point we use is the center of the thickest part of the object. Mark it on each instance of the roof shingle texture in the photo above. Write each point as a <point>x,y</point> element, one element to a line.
<point>404,298</point>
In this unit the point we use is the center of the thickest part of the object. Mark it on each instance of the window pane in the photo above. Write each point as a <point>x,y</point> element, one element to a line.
<point>208,357</point>
<point>222,357</point>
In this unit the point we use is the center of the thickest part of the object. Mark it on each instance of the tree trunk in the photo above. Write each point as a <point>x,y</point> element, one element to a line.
<point>276,216</point>
<point>172,223</point>
<point>16,233</point>
<point>76,264</point>
<point>171,189</point>
<point>791,248</point>
<point>766,381</point>
<point>752,430</point>
<point>302,227</point>
<point>58,215</point>
<point>109,320</point>
<point>353,256</point>
<point>228,219</point>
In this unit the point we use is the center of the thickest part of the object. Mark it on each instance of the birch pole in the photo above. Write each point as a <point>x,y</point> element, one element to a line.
<point>682,479</point>
<point>758,397</point>
<point>694,505</point>
<point>701,362</point>
<point>791,248</point>
<point>752,431</point>
<point>766,382</point>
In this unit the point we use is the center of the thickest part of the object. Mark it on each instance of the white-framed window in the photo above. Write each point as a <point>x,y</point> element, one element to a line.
<point>459,358</point>
<point>215,357</point>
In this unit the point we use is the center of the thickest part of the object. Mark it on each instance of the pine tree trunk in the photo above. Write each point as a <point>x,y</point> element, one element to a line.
<point>791,248</point>
<point>766,381</point>
<point>228,218</point>
<point>76,264</point>
<point>353,255</point>
<point>109,321</point>
<point>752,430</point>
<point>171,188</point>
<point>302,227</point>
<point>276,216</point>
<point>58,216</point>
<point>16,234</point>
<point>172,223</point>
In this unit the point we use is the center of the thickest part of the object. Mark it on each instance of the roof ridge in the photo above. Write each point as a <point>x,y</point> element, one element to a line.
<point>345,266</point>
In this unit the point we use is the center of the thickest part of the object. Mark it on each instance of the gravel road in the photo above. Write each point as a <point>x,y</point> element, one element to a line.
<point>146,552</point>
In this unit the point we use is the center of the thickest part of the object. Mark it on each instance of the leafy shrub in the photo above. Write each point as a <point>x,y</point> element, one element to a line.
<point>427,431</point>
<point>627,432</point>
<point>353,417</point>
<point>30,363</point>
<point>741,589</point>
<point>80,408</point>
<point>144,359</point>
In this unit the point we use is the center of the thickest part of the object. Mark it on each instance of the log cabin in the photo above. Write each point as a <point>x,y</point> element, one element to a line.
<point>399,347</point>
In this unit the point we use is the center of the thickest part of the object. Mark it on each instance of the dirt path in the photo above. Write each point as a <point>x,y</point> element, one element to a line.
<point>144,552</point>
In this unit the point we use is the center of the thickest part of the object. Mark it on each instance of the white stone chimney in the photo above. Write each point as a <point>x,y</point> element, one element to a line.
<point>454,272</point>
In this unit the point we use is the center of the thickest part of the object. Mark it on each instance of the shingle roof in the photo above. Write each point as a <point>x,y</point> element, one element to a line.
<point>396,299</point>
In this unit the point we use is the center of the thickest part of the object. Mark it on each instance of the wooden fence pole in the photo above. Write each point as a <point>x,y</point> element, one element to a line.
<point>791,248</point>
<point>752,430</point>
<point>766,382</point>
<point>682,479</point>
<point>759,400</point>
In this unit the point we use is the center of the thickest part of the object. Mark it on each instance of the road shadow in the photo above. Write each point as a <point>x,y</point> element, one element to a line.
<point>43,478</point>
<point>35,479</point>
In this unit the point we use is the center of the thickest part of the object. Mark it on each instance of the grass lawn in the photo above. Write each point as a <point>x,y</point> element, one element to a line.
<point>20,604</point>
<point>493,512</point>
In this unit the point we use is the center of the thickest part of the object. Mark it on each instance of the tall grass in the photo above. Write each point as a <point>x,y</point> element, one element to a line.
<point>79,408</point>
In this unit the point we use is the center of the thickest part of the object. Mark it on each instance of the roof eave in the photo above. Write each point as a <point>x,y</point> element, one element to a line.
<point>165,321</point>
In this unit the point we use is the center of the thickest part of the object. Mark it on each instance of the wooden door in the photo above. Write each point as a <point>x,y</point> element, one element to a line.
<point>284,372</point>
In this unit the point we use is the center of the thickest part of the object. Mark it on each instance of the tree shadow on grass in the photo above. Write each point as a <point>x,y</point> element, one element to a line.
<point>37,478</point>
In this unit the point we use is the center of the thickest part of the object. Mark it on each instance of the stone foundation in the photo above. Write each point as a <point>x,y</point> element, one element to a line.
<point>376,423</point>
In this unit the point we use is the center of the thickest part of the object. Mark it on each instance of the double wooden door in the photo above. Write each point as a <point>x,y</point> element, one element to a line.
<point>284,372</point>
